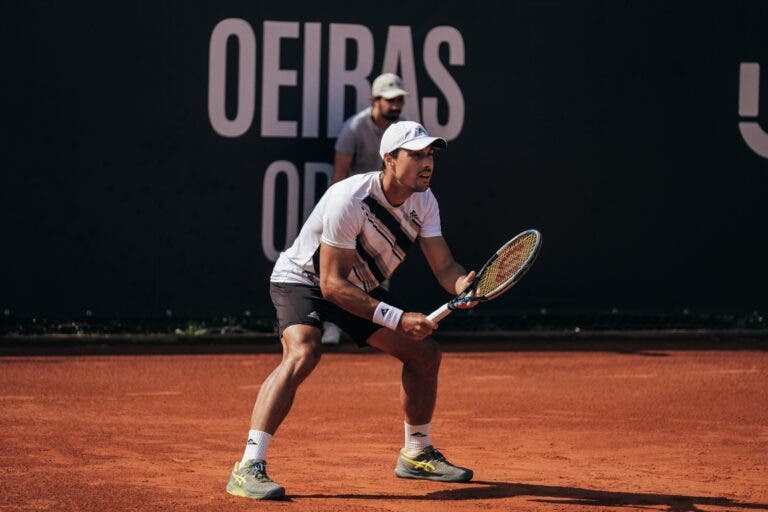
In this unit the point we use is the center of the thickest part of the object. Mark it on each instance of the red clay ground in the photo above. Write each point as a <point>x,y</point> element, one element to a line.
<point>566,431</point>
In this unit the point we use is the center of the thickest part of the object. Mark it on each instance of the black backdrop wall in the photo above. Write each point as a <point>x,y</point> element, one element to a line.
<point>158,156</point>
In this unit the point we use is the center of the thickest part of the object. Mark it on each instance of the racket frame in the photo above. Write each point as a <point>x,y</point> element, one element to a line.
<point>465,296</point>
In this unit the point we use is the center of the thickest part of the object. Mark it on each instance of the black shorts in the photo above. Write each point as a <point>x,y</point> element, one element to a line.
<point>304,304</point>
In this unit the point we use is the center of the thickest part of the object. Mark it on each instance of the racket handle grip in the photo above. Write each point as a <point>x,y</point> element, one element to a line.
<point>440,313</point>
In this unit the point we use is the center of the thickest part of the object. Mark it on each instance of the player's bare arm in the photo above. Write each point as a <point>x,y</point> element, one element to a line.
<point>335,266</point>
<point>342,162</point>
<point>450,274</point>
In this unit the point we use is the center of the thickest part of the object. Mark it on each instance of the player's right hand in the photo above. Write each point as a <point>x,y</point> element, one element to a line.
<point>416,325</point>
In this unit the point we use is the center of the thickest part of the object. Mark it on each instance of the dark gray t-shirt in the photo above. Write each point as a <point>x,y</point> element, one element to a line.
<point>361,138</point>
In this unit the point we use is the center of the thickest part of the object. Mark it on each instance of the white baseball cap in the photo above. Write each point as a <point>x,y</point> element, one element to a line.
<point>408,135</point>
<point>388,86</point>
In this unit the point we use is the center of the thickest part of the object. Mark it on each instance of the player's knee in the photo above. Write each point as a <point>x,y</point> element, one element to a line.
<point>302,357</point>
<point>435,352</point>
<point>429,354</point>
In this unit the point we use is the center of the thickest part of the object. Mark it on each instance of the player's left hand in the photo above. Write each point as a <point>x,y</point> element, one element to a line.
<point>461,285</point>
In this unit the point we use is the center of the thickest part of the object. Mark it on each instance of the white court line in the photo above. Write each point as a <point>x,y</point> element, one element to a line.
<point>155,393</point>
<point>723,372</point>
<point>689,372</point>
<point>494,377</point>
<point>380,383</point>
<point>627,376</point>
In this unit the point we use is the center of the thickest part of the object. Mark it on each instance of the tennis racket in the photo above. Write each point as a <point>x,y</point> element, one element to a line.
<point>499,274</point>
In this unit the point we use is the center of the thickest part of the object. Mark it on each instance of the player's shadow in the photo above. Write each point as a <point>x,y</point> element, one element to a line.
<point>482,490</point>
<point>578,496</point>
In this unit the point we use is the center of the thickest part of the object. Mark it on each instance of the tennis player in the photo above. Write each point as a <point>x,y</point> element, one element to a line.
<point>356,236</point>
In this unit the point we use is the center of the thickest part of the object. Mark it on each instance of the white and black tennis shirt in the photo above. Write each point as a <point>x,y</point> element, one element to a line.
<point>354,214</point>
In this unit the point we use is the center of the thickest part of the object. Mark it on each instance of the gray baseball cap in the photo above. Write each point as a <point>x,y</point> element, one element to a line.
<point>388,86</point>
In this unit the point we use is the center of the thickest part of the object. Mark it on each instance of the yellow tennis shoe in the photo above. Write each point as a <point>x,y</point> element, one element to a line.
<point>250,480</point>
<point>430,464</point>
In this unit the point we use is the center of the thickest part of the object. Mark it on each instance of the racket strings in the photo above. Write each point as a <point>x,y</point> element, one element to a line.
<point>510,261</point>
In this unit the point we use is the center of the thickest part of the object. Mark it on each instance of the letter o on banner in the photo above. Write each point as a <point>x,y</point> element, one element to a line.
<point>217,77</point>
<point>268,207</point>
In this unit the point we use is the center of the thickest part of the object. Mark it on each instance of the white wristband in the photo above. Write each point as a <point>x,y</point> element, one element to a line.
<point>387,316</point>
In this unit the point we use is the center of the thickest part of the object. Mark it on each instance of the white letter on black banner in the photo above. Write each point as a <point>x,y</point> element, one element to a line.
<point>399,59</point>
<point>749,106</point>
<point>268,207</point>
<point>217,77</point>
<point>339,76</point>
<point>274,77</point>
<point>444,81</point>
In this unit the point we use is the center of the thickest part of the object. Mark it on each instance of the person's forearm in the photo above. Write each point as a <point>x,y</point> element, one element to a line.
<point>349,297</point>
<point>450,276</point>
<point>338,175</point>
<point>341,165</point>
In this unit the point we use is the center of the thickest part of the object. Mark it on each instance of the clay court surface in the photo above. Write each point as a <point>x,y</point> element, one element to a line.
<point>674,430</point>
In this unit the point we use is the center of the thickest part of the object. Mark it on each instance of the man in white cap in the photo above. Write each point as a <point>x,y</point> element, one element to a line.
<point>357,145</point>
<point>356,236</point>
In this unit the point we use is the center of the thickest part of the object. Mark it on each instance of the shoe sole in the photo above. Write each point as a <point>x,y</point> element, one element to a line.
<point>420,475</point>
<point>273,494</point>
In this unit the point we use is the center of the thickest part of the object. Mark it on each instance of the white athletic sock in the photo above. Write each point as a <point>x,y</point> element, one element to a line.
<point>416,438</point>
<point>256,447</point>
